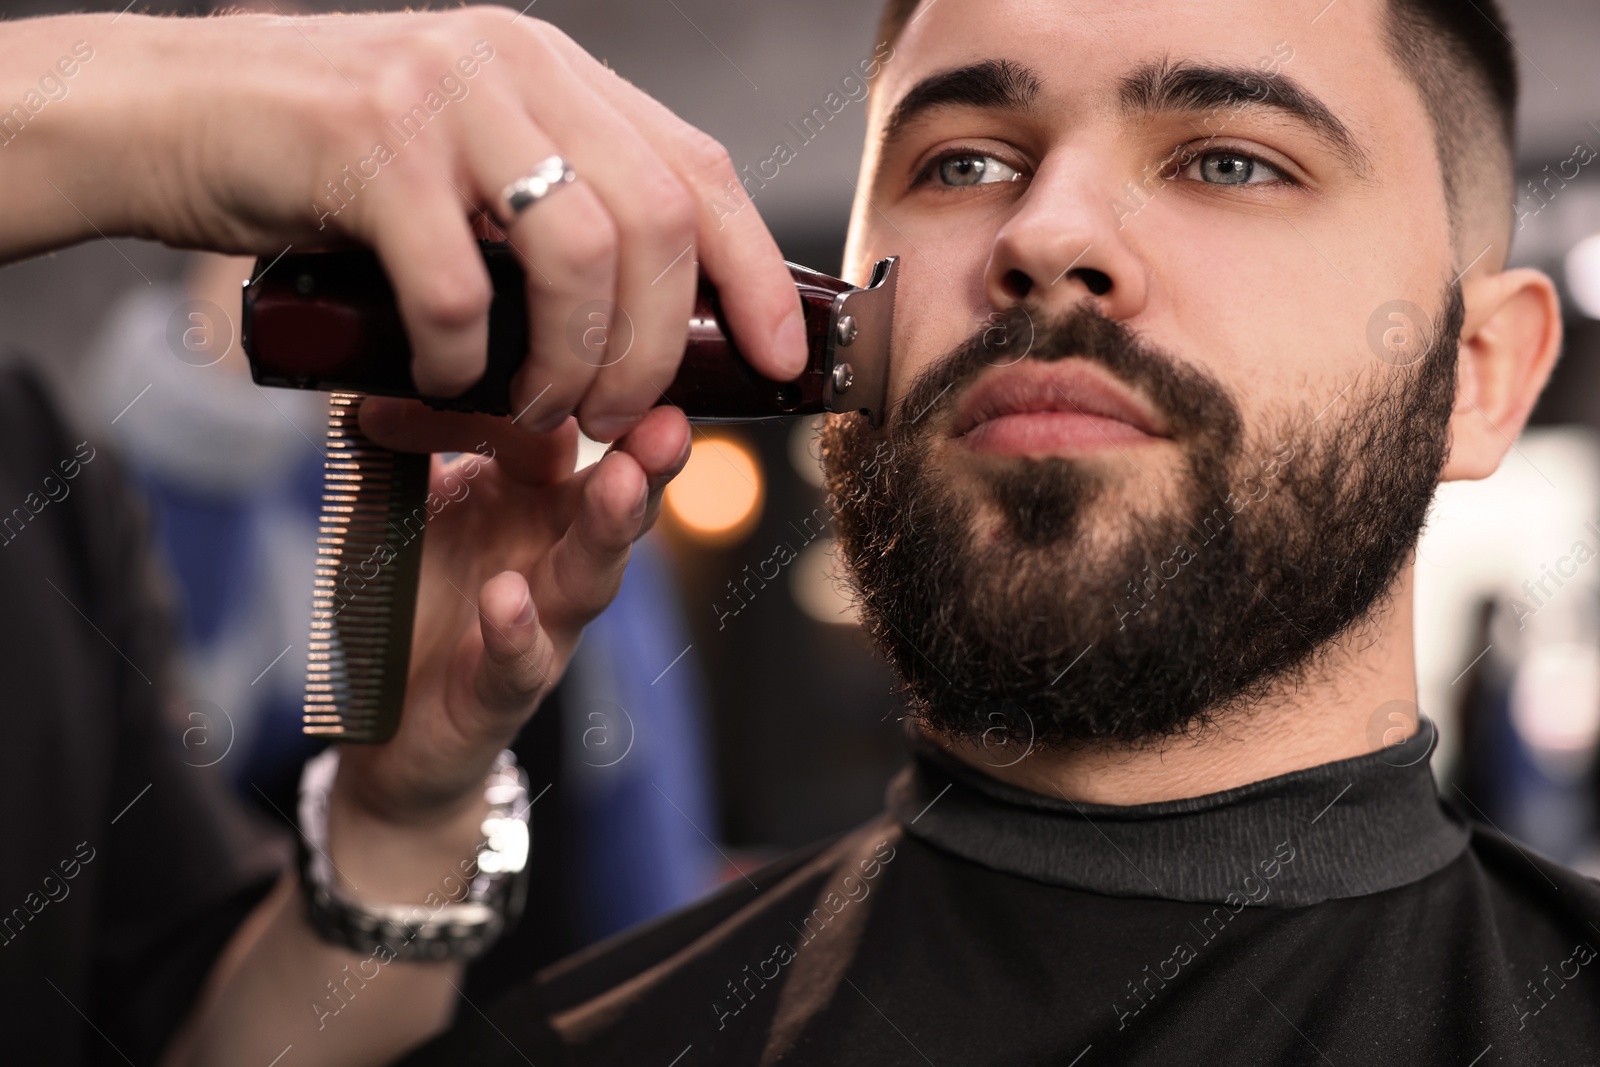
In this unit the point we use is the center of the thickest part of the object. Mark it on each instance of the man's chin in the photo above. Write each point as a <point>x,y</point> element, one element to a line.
<point>1091,511</point>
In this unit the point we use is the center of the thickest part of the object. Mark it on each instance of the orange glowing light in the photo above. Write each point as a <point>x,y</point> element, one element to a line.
<point>718,496</point>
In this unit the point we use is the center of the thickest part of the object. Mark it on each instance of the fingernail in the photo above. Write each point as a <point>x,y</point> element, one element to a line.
<point>547,423</point>
<point>640,504</point>
<point>612,427</point>
<point>790,341</point>
<point>674,469</point>
<point>525,616</point>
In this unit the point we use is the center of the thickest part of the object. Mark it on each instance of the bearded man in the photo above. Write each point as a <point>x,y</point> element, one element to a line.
<point>1197,305</point>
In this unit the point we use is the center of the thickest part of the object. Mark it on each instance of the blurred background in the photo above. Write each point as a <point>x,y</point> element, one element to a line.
<point>727,708</point>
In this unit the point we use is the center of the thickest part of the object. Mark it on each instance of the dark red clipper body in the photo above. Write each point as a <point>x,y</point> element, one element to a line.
<point>328,321</point>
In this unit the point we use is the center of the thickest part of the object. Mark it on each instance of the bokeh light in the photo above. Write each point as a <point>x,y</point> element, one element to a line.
<point>719,495</point>
<point>1583,275</point>
<point>1555,707</point>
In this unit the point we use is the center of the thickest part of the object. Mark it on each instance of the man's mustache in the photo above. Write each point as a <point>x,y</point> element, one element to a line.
<point>1189,398</point>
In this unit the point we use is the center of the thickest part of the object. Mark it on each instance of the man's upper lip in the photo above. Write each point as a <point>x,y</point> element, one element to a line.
<point>1070,385</point>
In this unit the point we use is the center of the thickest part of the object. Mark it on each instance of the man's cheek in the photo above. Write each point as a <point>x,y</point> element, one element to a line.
<point>916,345</point>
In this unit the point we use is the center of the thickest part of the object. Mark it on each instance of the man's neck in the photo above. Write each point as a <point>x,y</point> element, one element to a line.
<point>1337,712</point>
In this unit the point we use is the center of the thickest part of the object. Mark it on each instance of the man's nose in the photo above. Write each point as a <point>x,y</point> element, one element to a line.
<point>1066,242</point>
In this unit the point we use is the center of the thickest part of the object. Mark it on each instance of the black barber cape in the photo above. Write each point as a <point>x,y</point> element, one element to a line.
<point>124,865</point>
<point>1341,915</point>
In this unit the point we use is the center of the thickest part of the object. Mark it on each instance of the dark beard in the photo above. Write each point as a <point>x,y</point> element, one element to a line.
<point>1057,631</point>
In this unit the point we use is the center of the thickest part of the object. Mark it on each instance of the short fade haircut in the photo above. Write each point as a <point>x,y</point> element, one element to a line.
<point>1459,55</point>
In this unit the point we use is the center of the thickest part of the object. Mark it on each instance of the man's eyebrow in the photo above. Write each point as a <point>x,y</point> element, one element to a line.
<point>993,84</point>
<point>1227,90</point>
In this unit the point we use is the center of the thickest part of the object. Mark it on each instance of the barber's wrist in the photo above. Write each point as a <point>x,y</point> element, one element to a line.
<point>160,116</point>
<point>60,138</point>
<point>132,145</point>
<point>406,889</point>
<point>380,858</point>
<point>117,144</point>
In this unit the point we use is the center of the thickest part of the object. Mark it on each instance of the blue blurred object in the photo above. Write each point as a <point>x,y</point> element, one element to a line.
<point>637,780</point>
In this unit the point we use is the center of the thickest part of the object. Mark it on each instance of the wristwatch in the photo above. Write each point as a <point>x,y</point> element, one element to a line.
<point>462,918</point>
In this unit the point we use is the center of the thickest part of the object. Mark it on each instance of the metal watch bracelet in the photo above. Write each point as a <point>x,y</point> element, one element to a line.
<point>472,907</point>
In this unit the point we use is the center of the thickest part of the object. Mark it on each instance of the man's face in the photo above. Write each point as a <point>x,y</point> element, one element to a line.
<point>1185,230</point>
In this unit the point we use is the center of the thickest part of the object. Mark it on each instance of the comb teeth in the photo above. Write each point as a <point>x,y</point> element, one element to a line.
<point>369,555</point>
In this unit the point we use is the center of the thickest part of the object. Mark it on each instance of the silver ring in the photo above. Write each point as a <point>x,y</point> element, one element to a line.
<point>525,192</point>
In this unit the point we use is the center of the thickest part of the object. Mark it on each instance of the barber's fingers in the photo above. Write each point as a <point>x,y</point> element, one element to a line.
<point>638,342</point>
<point>569,246</point>
<point>661,446</point>
<point>415,223</point>
<point>582,571</point>
<point>518,664</point>
<point>734,247</point>
<point>610,258</point>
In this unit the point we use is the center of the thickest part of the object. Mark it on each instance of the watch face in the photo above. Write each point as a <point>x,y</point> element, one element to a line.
<point>506,851</point>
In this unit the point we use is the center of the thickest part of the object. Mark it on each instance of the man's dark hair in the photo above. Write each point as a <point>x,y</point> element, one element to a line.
<point>1458,53</point>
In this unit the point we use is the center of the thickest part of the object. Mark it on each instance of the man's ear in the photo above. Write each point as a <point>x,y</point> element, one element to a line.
<point>1509,343</point>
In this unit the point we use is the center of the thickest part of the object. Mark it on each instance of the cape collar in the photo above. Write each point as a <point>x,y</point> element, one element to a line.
<point>1343,829</point>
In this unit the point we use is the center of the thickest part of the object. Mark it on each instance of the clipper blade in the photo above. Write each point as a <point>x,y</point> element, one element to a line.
<point>369,556</point>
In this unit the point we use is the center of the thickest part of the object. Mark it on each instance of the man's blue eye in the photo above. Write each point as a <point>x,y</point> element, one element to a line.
<point>1231,168</point>
<point>1227,169</point>
<point>974,169</point>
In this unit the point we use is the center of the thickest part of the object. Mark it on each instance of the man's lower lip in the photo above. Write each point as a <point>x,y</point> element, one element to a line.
<point>1051,431</point>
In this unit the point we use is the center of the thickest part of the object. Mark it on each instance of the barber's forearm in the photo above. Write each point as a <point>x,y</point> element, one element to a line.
<point>198,132</point>
<point>279,984</point>
<point>68,169</point>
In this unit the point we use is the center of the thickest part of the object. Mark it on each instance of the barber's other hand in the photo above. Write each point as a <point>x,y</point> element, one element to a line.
<point>522,555</point>
<point>248,133</point>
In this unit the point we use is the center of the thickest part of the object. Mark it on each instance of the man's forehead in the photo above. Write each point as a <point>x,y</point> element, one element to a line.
<point>1084,50</point>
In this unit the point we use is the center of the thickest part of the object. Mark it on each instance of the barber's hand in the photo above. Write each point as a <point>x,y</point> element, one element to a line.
<point>369,128</point>
<point>524,555</point>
